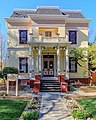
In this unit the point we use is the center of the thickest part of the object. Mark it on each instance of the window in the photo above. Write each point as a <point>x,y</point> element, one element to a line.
<point>23,36</point>
<point>73,37</point>
<point>48,33</point>
<point>23,65</point>
<point>72,65</point>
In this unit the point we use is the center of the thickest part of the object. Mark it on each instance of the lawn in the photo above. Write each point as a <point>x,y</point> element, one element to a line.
<point>11,109</point>
<point>89,104</point>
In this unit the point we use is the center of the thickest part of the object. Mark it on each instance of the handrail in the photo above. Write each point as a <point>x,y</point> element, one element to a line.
<point>47,39</point>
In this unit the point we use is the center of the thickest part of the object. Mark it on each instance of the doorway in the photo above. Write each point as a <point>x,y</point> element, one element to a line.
<point>48,65</point>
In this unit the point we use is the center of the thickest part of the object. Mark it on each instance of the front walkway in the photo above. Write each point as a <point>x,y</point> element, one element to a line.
<point>52,108</point>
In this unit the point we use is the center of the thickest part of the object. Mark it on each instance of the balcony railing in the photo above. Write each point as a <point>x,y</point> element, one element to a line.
<point>48,39</point>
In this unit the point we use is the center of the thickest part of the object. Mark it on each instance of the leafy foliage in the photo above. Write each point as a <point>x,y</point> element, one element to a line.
<point>89,104</point>
<point>84,54</point>
<point>8,70</point>
<point>80,114</point>
<point>30,115</point>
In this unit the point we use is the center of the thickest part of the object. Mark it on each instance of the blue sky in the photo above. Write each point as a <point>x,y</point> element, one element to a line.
<point>88,8</point>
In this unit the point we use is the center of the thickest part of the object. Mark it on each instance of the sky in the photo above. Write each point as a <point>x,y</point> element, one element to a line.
<point>88,8</point>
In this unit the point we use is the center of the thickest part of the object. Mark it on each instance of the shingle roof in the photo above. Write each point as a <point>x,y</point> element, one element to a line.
<point>74,14</point>
<point>48,11</point>
<point>22,13</point>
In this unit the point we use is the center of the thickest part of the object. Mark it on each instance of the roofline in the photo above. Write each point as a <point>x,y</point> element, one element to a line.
<point>84,20</point>
<point>42,7</point>
<point>17,19</point>
<point>71,10</point>
<point>47,17</point>
<point>18,9</point>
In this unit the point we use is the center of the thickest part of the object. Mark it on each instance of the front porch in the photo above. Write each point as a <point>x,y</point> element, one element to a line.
<point>49,60</point>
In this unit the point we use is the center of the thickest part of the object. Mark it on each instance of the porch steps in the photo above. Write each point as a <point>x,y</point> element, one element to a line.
<point>50,86</point>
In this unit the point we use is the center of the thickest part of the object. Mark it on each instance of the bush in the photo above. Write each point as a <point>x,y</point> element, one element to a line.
<point>9,70</point>
<point>30,115</point>
<point>80,114</point>
<point>32,105</point>
<point>1,75</point>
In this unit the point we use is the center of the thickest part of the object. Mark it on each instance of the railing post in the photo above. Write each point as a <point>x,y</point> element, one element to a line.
<point>40,37</point>
<point>31,39</point>
<point>57,37</point>
<point>17,86</point>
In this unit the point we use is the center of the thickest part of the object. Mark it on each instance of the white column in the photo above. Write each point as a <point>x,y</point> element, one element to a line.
<point>67,63</point>
<point>54,65</point>
<point>39,53</point>
<point>17,86</point>
<point>64,60</point>
<point>7,86</point>
<point>31,62</point>
<point>37,64</point>
<point>58,59</point>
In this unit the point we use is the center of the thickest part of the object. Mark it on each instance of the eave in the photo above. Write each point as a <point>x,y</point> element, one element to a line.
<point>8,20</point>
<point>78,20</point>
<point>47,17</point>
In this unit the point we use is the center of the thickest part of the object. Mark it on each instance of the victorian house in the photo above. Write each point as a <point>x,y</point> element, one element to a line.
<point>39,41</point>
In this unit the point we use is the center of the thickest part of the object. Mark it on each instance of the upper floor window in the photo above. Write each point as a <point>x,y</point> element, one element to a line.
<point>23,36</point>
<point>72,65</point>
<point>73,36</point>
<point>48,34</point>
<point>23,65</point>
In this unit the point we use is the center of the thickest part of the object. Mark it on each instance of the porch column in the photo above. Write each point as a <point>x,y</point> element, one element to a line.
<point>31,62</point>
<point>58,60</point>
<point>67,63</point>
<point>39,55</point>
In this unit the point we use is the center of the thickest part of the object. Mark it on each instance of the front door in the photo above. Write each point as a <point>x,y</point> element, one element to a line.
<point>48,65</point>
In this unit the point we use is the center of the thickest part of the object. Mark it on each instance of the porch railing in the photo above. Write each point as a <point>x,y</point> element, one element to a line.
<point>48,39</point>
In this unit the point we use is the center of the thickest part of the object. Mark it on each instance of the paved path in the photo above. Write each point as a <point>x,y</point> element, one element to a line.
<point>52,108</point>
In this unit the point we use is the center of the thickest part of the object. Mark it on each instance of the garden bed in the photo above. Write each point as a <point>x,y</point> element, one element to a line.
<point>88,89</point>
<point>88,111</point>
<point>32,109</point>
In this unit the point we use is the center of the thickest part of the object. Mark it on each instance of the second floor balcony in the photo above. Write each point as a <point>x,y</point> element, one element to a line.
<point>42,39</point>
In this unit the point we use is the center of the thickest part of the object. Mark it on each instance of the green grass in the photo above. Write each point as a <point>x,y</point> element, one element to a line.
<point>89,104</point>
<point>11,109</point>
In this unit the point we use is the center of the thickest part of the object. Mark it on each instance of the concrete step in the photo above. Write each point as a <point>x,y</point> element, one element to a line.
<point>50,86</point>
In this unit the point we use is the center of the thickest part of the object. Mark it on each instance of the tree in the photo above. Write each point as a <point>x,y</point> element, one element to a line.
<point>3,51</point>
<point>84,55</point>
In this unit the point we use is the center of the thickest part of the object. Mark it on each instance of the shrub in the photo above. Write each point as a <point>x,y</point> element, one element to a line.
<point>30,115</point>
<point>9,70</point>
<point>80,114</point>
<point>32,105</point>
